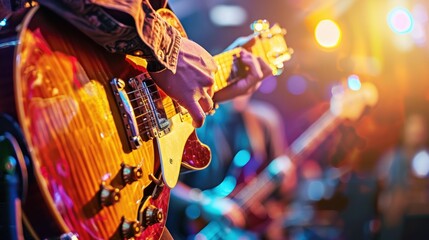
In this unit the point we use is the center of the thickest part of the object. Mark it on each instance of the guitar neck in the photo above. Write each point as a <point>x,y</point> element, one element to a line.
<point>313,136</point>
<point>256,190</point>
<point>229,68</point>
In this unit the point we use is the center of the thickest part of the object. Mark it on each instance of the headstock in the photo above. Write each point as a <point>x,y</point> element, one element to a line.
<point>270,44</point>
<point>350,104</point>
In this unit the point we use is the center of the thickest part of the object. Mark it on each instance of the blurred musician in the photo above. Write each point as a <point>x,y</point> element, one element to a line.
<point>238,126</point>
<point>404,196</point>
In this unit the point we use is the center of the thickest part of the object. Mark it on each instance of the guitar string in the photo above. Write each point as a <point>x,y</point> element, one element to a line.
<point>221,71</point>
<point>224,61</point>
<point>145,99</point>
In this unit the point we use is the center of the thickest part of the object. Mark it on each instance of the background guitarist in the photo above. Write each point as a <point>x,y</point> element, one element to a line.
<point>238,126</point>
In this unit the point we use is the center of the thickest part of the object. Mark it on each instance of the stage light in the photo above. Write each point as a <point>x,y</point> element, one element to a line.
<point>327,33</point>
<point>228,15</point>
<point>354,83</point>
<point>296,84</point>
<point>420,164</point>
<point>400,20</point>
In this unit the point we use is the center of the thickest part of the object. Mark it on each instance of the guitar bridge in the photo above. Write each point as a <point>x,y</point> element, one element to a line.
<point>137,101</point>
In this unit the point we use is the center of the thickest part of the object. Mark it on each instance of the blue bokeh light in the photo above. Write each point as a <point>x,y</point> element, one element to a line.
<point>241,158</point>
<point>225,187</point>
<point>193,211</point>
<point>354,83</point>
<point>3,22</point>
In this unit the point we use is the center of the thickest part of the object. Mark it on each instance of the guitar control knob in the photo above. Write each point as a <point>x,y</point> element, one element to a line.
<point>130,229</point>
<point>152,215</point>
<point>109,195</point>
<point>131,174</point>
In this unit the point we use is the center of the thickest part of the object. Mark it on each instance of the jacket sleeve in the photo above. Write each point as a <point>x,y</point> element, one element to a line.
<point>124,26</point>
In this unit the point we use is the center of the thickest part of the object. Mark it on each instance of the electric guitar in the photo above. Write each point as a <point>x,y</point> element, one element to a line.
<point>106,145</point>
<point>346,104</point>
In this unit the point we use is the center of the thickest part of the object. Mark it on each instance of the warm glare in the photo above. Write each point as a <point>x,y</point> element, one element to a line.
<point>327,33</point>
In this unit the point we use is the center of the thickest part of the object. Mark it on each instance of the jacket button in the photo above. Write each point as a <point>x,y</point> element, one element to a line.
<point>161,55</point>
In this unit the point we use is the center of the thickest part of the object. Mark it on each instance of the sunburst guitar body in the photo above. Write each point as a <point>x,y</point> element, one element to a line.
<point>106,145</point>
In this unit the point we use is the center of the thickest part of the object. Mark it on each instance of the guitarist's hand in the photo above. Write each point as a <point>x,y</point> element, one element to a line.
<point>258,70</point>
<point>223,208</point>
<point>192,84</point>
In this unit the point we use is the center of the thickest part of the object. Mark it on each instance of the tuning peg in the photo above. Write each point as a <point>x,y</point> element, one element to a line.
<point>260,26</point>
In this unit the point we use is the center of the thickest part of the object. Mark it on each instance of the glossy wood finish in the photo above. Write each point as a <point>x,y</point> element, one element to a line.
<point>71,123</point>
<point>76,135</point>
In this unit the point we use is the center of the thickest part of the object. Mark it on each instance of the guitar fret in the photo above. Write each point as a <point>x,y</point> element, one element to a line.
<point>222,76</point>
<point>225,62</point>
<point>218,80</point>
<point>258,49</point>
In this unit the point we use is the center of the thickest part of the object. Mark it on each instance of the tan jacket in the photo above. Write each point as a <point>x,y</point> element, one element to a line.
<point>121,26</point>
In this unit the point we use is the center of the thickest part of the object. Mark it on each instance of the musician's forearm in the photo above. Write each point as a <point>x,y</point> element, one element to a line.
<point>124,27</point>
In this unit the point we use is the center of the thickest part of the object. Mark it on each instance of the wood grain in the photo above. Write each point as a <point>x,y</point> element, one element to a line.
<point>72,125</point>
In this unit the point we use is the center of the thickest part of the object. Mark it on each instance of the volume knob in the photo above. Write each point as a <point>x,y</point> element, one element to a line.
<point>109,195</point>
<point>152,215</point>
<point>130,229</point>
<point>131,174</point>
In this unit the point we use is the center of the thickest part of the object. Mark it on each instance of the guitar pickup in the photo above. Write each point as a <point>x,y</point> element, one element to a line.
<point>127,112</point>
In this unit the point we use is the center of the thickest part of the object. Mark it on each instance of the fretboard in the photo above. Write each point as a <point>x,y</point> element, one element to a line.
<point>229,69</point>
